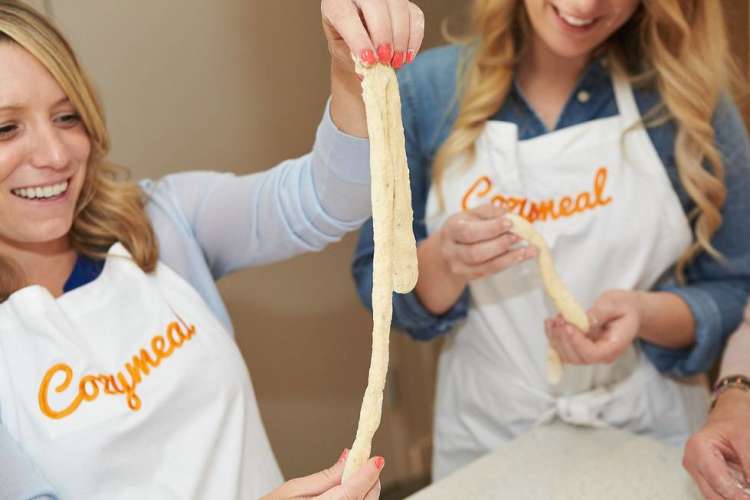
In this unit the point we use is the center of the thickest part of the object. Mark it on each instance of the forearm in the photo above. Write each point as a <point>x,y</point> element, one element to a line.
<point>347,107</point>
<point>666,320</point>
<point>437,288</point>
<point>736,359</point>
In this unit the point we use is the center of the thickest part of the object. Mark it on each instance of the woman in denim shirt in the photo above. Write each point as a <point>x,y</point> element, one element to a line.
<point>609,126</point>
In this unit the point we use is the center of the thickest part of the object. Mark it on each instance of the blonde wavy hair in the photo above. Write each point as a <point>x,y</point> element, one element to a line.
<point>110,208</point>
<point>679,47</point>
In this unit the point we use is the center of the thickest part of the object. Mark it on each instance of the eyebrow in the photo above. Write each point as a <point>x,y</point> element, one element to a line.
<point>16,107</point>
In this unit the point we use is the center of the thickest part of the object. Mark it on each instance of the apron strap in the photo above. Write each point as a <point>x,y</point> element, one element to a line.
<point>625,98</point>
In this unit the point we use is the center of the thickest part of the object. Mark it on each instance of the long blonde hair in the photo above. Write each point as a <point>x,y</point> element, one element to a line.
<point>679,47</point>
<point>109,208</point>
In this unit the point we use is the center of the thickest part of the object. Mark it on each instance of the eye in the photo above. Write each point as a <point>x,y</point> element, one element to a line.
<point>68,119</point>
<point>7,130</point>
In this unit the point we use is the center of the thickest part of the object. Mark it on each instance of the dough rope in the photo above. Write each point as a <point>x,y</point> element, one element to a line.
<point>556,289</point>
<point>395,259</point>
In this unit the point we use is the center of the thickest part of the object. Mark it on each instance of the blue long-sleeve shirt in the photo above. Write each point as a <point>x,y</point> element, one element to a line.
<point>715,292</point>
<point>209,224</point>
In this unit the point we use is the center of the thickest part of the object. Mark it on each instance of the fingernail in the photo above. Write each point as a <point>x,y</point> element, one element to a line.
<point>385,53</point>
<point>410,57</point>
<point>343,456</point>
<point>398,60</point>
<point>507,224</point>
<point>368,57</point>
<point>360,77</point>
<point>379,463</point>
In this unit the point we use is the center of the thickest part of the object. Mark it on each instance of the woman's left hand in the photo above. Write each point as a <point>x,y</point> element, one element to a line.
<point>615,319</point>
<point>385,31</point>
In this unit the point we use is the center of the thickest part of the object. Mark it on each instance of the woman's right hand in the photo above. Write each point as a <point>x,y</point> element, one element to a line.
<point>470,245</point>
<point>326,484</point>
<point>478,242</point>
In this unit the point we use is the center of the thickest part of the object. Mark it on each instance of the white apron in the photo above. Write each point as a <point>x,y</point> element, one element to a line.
<point>129,387</point>
<point>605,205</point>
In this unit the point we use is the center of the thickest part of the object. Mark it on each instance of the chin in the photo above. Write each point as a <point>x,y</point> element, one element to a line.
<point>569,49</point>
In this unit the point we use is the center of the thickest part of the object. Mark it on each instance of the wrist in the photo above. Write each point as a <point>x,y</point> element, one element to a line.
<point>347,106</point>
<point>455,281</point>
<point>731,389</point>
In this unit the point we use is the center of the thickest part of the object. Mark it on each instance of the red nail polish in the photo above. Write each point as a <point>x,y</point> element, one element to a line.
<point>368,57</point>
<point>359,77</point>
<point>385,53</point>
<point>343,456</point>
<point>379,462</point>
<point>398,60</point>
<point>410,57</point>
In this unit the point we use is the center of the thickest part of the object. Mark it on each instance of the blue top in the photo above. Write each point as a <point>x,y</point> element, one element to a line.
<point>716,293</point>
<point>209,224</point>
<point>85,271</point>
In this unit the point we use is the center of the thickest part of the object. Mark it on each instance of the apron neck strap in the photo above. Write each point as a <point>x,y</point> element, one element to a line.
<point>625,99</point>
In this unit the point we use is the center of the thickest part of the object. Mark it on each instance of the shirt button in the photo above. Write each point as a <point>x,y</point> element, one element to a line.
<point>583,97</point>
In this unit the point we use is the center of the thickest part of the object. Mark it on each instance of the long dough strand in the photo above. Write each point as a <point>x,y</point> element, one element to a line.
<point>395,259</point>
<point>556,289</point>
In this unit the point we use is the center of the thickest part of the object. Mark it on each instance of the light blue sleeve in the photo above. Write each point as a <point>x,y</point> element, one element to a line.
<point>19,479</point>
<point>301,205</point>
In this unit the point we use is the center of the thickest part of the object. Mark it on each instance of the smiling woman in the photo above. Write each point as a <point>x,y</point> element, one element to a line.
<point>60,198</point>
<point>540,98</point>
<point>94,265</point>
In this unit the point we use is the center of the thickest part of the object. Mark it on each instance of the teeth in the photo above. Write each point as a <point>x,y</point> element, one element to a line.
<point>576,21</point>
<point>42,192</point>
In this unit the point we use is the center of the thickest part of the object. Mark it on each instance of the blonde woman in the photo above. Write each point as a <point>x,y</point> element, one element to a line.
<point>606,123</point>
<point>119,376</point>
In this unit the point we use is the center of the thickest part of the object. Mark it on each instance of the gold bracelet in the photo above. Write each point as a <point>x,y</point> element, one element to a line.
<point>740,382</point>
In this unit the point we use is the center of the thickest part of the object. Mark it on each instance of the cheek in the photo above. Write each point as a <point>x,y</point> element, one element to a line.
<point>622,10</point>
<point>80,146</point>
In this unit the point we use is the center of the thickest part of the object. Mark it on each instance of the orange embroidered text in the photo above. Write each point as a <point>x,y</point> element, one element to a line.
<point>481,192</point>
<point>124,382</point>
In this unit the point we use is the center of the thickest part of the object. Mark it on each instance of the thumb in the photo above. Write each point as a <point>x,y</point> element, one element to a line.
<point>602,312</point>
<point>318,483</point>
<point>364,480</point>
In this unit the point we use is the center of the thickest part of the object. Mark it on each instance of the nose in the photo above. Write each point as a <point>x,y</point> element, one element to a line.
<point>48,149</point>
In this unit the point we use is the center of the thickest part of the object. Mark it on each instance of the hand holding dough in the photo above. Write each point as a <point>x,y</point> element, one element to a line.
<point>556,289</point>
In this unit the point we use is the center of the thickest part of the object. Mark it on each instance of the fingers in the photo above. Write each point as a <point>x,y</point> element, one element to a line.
<point>482,251</point>
<point>343,18</point>
<point>400,23</point>
<point>488,211</point>
<point>555,329</point>
<point>714,469</point>
<point>705,489</point>
<point>318,483</point>
<point>493,266</point>
<point>396,28</point>
<point>416,32</point>
<point>374,493</point>
<point>377,17</point>
<point>468,231</point>
<point>480,224</point>
<point>363,484</point>
<point>577,348</point>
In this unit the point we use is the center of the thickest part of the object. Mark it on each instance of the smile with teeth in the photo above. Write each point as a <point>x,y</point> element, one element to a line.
<point>577,22</point>
<point>42,192</point>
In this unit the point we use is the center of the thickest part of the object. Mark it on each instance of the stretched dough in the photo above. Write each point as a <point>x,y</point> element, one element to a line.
<point>556,289</point>
<point>395,259</point>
